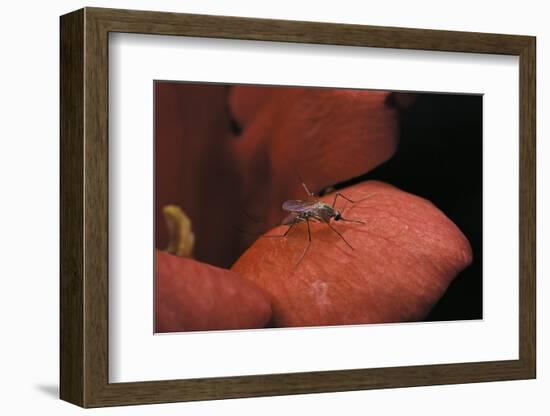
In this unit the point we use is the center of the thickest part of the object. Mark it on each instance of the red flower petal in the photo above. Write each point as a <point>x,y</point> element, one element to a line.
<point>218,173</point>
<point>403,259</point>
<point>193,296</point>
<point>327,135</point>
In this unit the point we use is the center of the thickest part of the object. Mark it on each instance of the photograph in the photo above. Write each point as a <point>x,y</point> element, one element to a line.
<point>305,206</point>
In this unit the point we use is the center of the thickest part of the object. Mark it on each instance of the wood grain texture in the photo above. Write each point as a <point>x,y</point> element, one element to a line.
<point>71,213</point>
<point>84,207</point>
<point>527,208</point>
<point>96,216</point>
<point>226,27</point>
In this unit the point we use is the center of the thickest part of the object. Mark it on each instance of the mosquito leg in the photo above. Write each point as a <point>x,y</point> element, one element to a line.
<point>288,229</point>
<point>252,218</point>
<point>334,200</point>
<point>284,234</point>
<point>311,194</point>
<point>338,194</point>
<point>254,227</point>
<point>354,221</point>
<point>243,231</point>
<point>308,243</point>
<point>341,236</point>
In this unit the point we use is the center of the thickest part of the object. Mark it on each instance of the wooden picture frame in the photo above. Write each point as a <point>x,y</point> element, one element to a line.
<point>84,207</point>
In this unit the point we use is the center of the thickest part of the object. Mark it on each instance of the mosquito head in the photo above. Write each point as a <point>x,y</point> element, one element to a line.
<point>337,216</point>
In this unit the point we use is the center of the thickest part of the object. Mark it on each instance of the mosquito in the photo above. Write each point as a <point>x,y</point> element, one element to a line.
<point>313,210</point>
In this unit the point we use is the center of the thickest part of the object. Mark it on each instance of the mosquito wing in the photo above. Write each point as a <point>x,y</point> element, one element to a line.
<point>291,218</point>
<point>298,206</point>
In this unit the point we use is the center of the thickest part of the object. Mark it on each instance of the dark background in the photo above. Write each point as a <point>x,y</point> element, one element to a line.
<point>440,158</point>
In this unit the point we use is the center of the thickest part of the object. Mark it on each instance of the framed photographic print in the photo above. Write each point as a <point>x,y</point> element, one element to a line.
<point>255,207</point>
